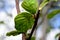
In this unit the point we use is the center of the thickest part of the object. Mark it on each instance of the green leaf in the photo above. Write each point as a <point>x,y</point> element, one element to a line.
<point>50,0</point>
<point>44,3</point>
<point>1,22</point>
<point>14,33</point>
<point>54,0</point>
<point>24,21</point>
<point>57,35</point>
<point>32,38</point>
<point>48,29</point>
<point>30,5</point>
<point>53,13</point>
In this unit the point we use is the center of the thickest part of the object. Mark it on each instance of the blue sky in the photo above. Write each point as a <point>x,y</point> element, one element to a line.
<point>55,21</point>
<point>8,7</point>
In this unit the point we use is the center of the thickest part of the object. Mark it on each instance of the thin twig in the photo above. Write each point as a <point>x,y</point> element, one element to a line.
<point>35,23</point>
<point>23,36</point>
<point>17,6</point>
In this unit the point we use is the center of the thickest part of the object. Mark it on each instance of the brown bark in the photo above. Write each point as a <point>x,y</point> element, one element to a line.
<point>59,38</point>
<point>17,6</point>
<point>23,36</point>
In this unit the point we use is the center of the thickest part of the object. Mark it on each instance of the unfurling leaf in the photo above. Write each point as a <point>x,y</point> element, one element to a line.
<point>24,21</point>
<point>44,3</point>
<point>53,13</point>
<point>30,5</point>
<point>14,33</point>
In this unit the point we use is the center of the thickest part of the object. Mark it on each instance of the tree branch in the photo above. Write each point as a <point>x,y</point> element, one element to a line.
<point>23,36</point>
<point>35,23</point>
<point>17,6</point>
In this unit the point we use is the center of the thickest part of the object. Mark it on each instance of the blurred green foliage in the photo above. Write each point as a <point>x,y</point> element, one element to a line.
<point>1,22</point>
<point>57,35</point>
<point>53,13</point>
<point>32,38</point>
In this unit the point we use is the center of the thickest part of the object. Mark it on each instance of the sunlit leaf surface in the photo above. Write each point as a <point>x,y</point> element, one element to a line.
<point>24,21</point>
<point>30,5</point>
